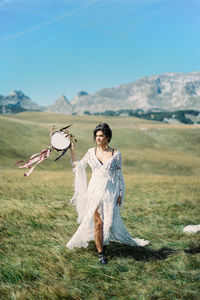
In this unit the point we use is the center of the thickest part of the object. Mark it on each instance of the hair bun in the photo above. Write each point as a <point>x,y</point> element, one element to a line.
<point>106,130</point>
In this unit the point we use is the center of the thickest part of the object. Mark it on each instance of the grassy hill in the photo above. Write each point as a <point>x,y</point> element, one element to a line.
<point>161,164</point>
<point>149,147</point>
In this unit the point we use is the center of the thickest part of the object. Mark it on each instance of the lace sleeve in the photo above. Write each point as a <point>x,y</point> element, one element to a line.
<point>80,186</point>
<point>120,177</point>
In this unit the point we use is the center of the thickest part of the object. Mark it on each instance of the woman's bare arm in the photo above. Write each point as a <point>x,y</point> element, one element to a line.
<point>73,153</point>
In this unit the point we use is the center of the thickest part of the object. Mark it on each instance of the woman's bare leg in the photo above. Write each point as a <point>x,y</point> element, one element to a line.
<point>98,231</point>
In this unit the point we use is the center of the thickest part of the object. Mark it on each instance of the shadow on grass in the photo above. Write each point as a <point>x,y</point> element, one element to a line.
<point>193,249</point>
<point>115,250</point>
<point>139,253</point>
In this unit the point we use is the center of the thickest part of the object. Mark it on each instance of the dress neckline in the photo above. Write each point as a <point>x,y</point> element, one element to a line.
<point>113,155</point>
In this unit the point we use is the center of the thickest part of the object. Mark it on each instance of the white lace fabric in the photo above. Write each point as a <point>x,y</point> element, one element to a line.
<point>192,228</point>
<point>102,192</point>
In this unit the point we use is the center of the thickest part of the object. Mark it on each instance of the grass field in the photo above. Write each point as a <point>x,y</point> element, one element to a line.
<point>161,165</point>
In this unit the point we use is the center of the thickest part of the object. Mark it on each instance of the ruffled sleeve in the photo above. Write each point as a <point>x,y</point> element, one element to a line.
<point>120,177</point>
<point>80,186</point>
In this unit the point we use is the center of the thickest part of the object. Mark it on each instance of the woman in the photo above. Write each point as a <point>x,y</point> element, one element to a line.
<point>98,203</point>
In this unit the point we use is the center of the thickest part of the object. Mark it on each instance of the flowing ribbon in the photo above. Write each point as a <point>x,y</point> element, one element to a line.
<point>36,159</point>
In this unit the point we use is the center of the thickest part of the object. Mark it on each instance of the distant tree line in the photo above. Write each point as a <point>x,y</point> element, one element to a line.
<point>179,115</point>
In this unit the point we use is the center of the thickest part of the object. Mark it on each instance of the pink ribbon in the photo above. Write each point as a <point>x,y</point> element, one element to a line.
<point>36,159</point>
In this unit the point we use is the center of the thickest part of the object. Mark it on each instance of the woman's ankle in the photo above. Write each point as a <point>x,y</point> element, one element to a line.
<point>101,253</point>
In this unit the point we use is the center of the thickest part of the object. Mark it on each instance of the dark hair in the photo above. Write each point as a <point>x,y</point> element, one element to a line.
<point>106,130</point>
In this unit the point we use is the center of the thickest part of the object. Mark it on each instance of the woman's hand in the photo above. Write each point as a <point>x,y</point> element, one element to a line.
<point>119,200</point>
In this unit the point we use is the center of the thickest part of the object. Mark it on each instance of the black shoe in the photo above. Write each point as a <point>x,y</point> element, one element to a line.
<point>102,258</point>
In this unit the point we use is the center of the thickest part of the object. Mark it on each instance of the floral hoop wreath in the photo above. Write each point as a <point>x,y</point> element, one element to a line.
<point>60,140</point>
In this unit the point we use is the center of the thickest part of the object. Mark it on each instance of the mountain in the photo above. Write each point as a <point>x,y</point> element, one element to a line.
<point>165,92</point>
<point>16,102</point>
<point>61,105</point>
<point>169,96</point>
<point>79,98</point>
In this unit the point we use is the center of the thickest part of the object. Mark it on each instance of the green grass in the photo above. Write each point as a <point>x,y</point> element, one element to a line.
<point>161,165</point>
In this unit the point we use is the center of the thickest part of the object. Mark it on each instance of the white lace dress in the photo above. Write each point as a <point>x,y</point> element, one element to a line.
<point>105,185</point>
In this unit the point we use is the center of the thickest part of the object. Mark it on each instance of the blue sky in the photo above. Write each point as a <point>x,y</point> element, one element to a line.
<point>49,48</point>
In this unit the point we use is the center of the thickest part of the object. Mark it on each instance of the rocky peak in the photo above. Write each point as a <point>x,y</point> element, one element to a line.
<point>61,105</point>
<point>17,94</point>
<point>62,99</point>
<point>82,93</point>
<point>16,101</point>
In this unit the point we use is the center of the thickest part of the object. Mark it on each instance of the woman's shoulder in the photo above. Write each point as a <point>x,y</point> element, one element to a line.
<point>91,149</point>
<point>116,151</point>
